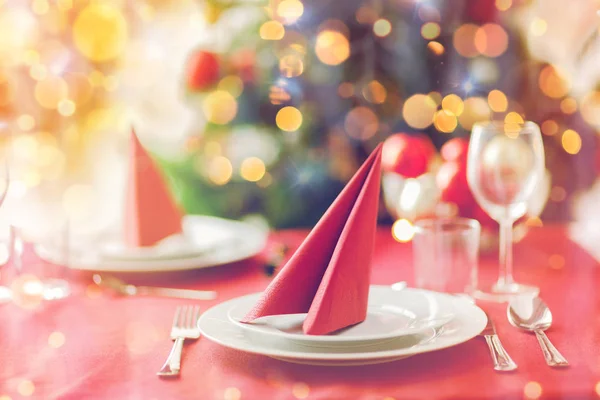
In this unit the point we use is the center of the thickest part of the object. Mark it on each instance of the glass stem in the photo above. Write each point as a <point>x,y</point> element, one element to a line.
<point>506,256</point>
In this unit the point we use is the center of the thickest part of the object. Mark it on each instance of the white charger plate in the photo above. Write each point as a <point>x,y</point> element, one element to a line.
<point>244,240</point>
<point>390,314</point>
<point>469,320</point>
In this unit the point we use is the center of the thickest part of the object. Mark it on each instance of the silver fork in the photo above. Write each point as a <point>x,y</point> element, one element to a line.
<point>184,327</point>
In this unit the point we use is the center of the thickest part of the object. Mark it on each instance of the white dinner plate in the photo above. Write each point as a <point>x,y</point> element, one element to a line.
<point>390,314</point>
<point>469,320</point>
<point>218,241</point>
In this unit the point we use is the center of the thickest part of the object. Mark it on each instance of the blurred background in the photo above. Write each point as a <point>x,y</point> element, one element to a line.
<point>268,107</point>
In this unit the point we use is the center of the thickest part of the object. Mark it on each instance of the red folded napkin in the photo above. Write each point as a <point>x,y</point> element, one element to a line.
<point>150,213</point>
<point>328,276</point>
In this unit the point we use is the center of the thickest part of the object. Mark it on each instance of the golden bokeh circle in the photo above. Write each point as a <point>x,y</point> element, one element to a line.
<point>253,169</point>
<point>553,83</point>
<point>476,110</point>
<point>453,103</point>
<point>418,111</point>
<point>382,27</point>
<point>220,170</point>
<point>374,92</point>
<point>571,141</point>
<point>100,32</point>
<point>332,47</point>
<point>219,107</point>
<point>436,48</point>
<point>549,127</point>
<point>403,230</point>
<point>272,30</point>
<point>445,121</point>
<point>50,91</point>
<point>430,30</point>
<point>497,101</point>
<point>289,119</point>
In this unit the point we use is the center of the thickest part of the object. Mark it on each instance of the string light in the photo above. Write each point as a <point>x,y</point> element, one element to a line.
<point>252,169</point>
<point>453,104</point>
<point>430,30</point>
<point>403,230</point>
<point>497,101</point>
<point>374,92</point>
<point>272,30</point>
<point>436,48</point>
<point>553,82</point>
<point>290,10</point>
<point>220,170</point>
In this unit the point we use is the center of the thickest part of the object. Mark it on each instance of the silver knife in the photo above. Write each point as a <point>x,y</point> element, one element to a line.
<point>127,289</point>
<point>502,361</point>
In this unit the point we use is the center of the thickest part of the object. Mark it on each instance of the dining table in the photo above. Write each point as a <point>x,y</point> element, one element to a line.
<point>98,345</point>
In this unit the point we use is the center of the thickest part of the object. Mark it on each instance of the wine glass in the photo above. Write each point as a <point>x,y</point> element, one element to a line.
<point>505,163</point>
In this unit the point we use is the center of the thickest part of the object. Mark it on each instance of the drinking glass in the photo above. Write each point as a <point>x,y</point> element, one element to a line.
<point>445,254</point>
<point>505,162</point>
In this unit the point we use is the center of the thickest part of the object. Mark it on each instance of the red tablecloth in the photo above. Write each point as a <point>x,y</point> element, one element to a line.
<point>95,346</point>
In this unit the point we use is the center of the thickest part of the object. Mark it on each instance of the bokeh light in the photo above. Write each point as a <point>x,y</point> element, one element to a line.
<point>289,119</point>
<point>464,40</point>
<point>568,105</point>
<point>503,5</point>
<point>25,122</point>
<point>418,111</point>
<point>290,10</point>
<point>430,30</point>
<point>491,40</point>
<point>553,83</point>
<point>590,108</point>
<point>538,26</point>
<point>300,390</point>
<point>382,27</point>
<point>332,47</point>
<point>40,7</point>
<point>346,90</point>
<point>252,169</point>
<point>436,48</point>
<point>445,121</point>
<point>361,123</point>
<point>50,91</point>
<point>366,15</point>
<point>272,30</point>
<point>571,141</point>
<point>374,92</point>
<point>532,390</point>
<point>219,107</point>
<point>232,84</point>
<point>66,107</point>
<point>497,101</point>
<point>232,393</point>
<point>26,388</point>
<point>220,170</point>
<point>453,103</point>
<point>100,32</point>
<point>56,340</point>
<point>476,110</point>
<point>278,95</point>
<point>549,127</point>
<point>403,230</point>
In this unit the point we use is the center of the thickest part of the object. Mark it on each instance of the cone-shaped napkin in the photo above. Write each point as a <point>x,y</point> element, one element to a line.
<point>150,213</point>
<point>328,276</point>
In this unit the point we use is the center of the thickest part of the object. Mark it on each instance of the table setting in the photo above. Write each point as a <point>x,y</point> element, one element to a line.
<point>333,309</point>
<point>353,200</point>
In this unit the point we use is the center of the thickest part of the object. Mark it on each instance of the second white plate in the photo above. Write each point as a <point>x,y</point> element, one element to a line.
<point>390,314</point>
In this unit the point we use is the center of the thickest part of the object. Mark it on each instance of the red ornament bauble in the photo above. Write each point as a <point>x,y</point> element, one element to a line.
<point>451,179</point>
<point>407,155</point>
<point>202,70</point>
<point>455,150</point>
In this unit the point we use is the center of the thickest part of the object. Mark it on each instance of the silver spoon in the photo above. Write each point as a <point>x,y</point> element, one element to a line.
<point>126,289</point>
<point>532,314</point>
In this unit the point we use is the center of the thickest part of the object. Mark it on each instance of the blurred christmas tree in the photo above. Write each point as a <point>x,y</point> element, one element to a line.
<point>302,95</point>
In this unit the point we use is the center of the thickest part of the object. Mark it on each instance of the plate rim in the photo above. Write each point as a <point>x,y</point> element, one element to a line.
<point>326,339</point>
<point>479,321</point>
<point>259,240</point>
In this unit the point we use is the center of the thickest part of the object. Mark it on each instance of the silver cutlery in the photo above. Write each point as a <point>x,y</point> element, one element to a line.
<point>184,327</point>
<point>501,359</point>
<point>533,315</point>
<point>126,289</point>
